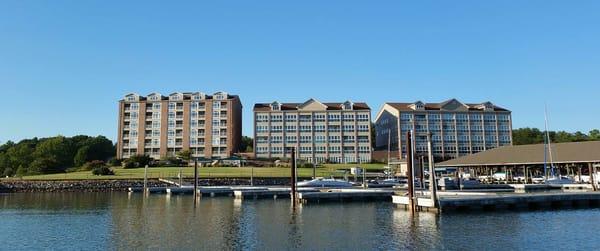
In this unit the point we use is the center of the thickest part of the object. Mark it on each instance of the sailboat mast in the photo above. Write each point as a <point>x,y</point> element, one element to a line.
<point>548,140</point>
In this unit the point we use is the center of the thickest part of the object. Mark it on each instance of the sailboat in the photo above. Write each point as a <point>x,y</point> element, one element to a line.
<point>553,178</point>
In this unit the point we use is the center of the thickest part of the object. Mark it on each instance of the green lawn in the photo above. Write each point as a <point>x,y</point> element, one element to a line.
<point>206,172</point>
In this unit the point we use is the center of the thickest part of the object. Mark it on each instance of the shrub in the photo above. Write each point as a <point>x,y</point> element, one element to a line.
<point>92,165</point>
<point>129,164</point>
<point>102,170</point>
<point>114,162</point>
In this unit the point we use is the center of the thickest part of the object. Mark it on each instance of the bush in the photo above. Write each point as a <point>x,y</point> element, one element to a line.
<point>137,161</point>
<point>305,165</point>
<point>114,162</point>
<point>102,170</point>
<point>92,165</point>
<point>127,164</point>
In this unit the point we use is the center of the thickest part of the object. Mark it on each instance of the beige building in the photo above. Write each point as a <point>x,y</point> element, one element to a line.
<point>321,132</point>
<point>210,126</point>
<point>457,128</point>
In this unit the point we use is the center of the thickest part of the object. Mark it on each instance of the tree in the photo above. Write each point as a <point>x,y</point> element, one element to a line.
<point>185,155</point>
<point>246,144</point>
<point>523,136</point>
<point>594,134</point>
<point>81,157</point>
<point>55,152</point>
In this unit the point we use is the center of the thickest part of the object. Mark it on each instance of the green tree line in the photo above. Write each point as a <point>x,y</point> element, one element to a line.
<point>52,155</point>
<point>523,136</point>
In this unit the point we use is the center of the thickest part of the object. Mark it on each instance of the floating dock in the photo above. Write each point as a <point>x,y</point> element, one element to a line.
<point>491,201</point>
<point>345,195</point>
<point>283,192</point>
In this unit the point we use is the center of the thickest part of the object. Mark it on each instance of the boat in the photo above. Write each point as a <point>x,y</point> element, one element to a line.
<point>553,178</point>
<point>560,180</point>
<point>322,182</point>
<point>390,182</point>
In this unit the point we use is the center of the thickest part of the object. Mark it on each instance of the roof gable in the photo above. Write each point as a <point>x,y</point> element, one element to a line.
<point>312,105</point>
<point>453,105</point>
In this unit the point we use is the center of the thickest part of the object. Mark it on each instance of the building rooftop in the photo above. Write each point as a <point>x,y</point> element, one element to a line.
<point>299,106</point>
<point>177,96</point>
<point>573,152</point>
<point>448,105</point>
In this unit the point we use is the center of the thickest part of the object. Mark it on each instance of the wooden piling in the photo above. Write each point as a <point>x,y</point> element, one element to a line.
<point>195,181</point>
<point>293,176</point>
<point>409,168</point>
<point>432,180</point>
<point>145,178</point>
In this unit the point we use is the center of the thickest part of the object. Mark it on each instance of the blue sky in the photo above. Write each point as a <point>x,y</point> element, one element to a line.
<point>65,64</point>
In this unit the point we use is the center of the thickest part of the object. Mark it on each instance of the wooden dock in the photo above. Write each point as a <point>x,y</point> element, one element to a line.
<point>345,195</point>
<point>269,193</point>
<point>493,201</point>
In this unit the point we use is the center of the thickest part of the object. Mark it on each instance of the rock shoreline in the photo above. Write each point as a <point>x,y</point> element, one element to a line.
<point>24,186</point>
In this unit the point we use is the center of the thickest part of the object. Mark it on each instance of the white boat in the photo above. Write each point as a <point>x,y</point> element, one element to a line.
<point>322,182</point>
<point>559,180</point>
<point>385,182</point>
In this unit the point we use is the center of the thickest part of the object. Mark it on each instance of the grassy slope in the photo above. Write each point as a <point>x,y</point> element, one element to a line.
<point>216,172</point>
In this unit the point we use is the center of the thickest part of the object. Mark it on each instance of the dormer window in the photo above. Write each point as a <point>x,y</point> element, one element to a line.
<point>220,96</point>
<point>175,96</point>
<point>154,97</point>
<point>487,106</point>
<point>347,105</point>
<point>418,106</point>
<point>198,96</point>
<point>131,97</point>
<point>275,106</point>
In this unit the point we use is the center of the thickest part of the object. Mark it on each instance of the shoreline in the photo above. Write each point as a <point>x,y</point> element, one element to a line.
<point>108,185</point>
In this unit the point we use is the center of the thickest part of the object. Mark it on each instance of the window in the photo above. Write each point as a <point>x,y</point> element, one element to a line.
<point>290,128</point>
<point>333,117</point>
<point>362,117</point>
<point>277,118</point>
<point>220,96</point>
<point>406,116</point>
<point>347,105</point>
<point>320,117</point>
<point>290,139</point>
<point>275,106</point>
<point>305,139</point>
<point>320,139</point>
<point>262,117</point>
<point>305,128</point>
<point>290,117</point>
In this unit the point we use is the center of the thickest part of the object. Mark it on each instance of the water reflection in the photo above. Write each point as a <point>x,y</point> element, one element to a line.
<point>134,221</point>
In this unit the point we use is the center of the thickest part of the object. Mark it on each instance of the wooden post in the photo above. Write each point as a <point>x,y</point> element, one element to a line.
<point>432,180</point>
<point>195,181</point>
<point>364,174</point>
<point>409,168</point>
<point>146,179</point>
<point>180,177</point>
<point>579,173</point>
<point>252,175</point>
<point>422,173</point>
<point>293,176</point>
<point>314,169</point>
<point>592,172</point>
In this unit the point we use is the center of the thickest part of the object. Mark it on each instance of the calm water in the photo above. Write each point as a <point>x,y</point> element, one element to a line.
<point>92,221</point>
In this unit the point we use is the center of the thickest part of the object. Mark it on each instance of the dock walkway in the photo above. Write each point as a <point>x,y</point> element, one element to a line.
<point>503,201</point>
